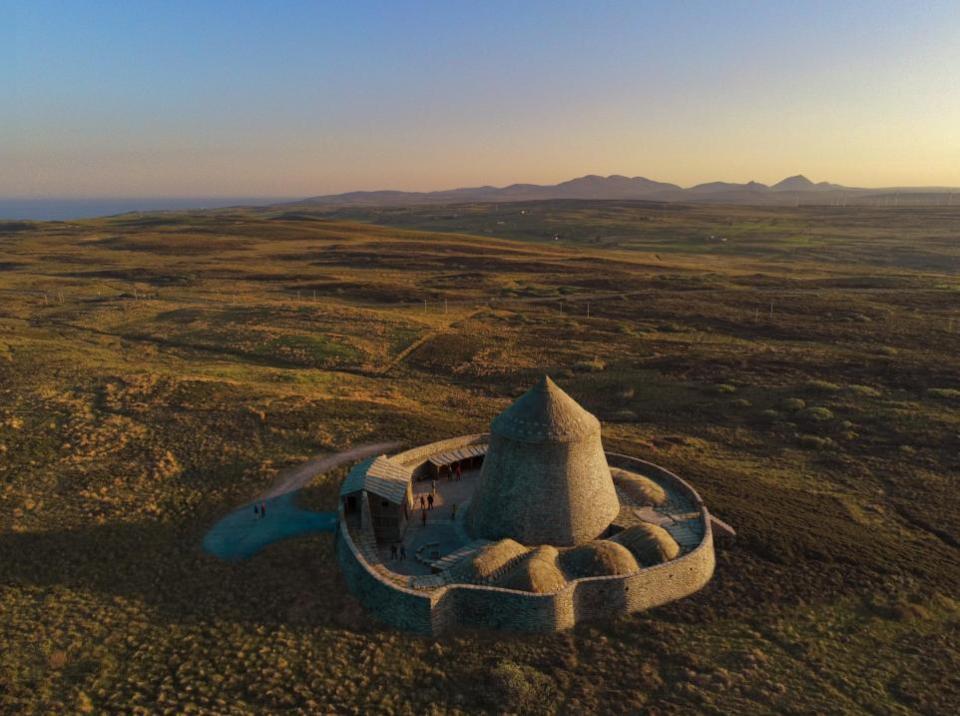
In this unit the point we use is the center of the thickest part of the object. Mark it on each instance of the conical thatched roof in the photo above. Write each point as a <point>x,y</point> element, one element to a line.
<point>545,414</point>
<point>545,479</point>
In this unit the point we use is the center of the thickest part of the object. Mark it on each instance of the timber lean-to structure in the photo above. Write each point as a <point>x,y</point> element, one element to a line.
<point>531,527</point>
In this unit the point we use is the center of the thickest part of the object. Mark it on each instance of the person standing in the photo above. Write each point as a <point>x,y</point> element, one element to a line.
<point>459,472</point>
<point>393,551</point>
<point>263,509</point>
<point>256,511</point>
<point>429,502</point>
<point>403,551</point>
<point>453,511</point>
<point>423,502</point>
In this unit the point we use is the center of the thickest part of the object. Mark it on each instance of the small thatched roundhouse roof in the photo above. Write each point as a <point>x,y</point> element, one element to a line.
<point>488,562</point>
<point>639,488</point>
<point>545,479</point>
<point>650,544</point>
<point>597,559</point>
<point>537,572</point>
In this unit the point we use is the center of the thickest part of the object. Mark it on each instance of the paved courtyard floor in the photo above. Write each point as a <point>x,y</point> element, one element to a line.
<point>444,526</point>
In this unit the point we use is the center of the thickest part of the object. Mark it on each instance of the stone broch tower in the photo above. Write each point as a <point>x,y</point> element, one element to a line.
<point>545,479</point>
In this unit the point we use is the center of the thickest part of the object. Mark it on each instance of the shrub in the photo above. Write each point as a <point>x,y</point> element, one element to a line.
<point>864,391</point>
<point>813,442</point>
<point>793,404</point>
<point>823,386</point>
<point>947,393</point>
<point>769,415</point>
<point>816,414</point>
<point>723,388</point>
<point>520,689</point>
<point>593,365</point>
<point>741,403</point>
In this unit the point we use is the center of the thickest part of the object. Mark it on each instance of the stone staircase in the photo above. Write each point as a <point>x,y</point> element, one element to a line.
<point>687,532</point>
<point>366,542</point>
<point>427,581</point>
<point>445,563</point>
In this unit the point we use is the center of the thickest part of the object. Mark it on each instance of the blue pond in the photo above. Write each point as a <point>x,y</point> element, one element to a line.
<point>242,534</point>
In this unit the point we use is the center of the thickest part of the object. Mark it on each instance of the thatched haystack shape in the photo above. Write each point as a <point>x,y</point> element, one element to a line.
<point>545,479</point>
<point>489,561</point>
<point>597,559</point>
<point>639,488</point>
<point>537,573</point>
<point>650,544</point>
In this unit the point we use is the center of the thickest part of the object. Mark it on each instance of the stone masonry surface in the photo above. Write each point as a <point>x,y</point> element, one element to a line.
<point>465,605</point>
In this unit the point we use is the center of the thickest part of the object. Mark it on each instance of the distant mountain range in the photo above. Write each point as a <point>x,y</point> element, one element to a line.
<point>795,190</point>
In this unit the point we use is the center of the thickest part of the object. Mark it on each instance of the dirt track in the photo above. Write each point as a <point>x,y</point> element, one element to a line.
<point>295,478</point>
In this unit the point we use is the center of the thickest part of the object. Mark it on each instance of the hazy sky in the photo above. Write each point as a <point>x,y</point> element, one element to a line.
<point>280,98</point>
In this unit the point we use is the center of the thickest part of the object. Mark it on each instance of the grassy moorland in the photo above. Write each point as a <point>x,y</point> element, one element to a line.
<point>157,370</point>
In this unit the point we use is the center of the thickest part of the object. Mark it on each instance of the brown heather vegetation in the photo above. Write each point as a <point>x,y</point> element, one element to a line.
<point>156,371</point>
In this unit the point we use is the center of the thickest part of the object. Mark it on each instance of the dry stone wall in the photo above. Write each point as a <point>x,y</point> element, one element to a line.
<point>398,607</point>
<point>478,606</point>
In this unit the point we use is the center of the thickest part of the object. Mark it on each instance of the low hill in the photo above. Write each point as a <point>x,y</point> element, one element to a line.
<point>794,190</point>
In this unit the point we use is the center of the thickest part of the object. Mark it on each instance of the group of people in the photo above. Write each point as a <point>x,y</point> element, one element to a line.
<point>398,551</point>
<point>427,501</point>
<point>260,511</point>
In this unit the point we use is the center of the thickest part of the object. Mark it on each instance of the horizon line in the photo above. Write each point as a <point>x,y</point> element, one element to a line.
<point>309,195</point>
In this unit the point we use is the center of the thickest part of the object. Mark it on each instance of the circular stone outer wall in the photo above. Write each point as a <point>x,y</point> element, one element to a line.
<point>465,605</point>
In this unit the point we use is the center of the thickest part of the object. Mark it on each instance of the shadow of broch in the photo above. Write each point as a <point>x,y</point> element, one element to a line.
<point>162,564</point>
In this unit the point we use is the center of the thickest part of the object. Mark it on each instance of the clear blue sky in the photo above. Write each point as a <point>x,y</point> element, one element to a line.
<point>299,98</point>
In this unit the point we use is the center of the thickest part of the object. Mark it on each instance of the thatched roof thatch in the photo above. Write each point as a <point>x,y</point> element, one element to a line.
<point>545,414</point>
<point>597,559</point>
<point>639,488</point>
<point>487,562</point>
<point>537,572</point>
<point>545,479</point>
<point>650,544</point>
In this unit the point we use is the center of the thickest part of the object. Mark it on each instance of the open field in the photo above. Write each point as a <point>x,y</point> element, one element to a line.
<point>157,370</point>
